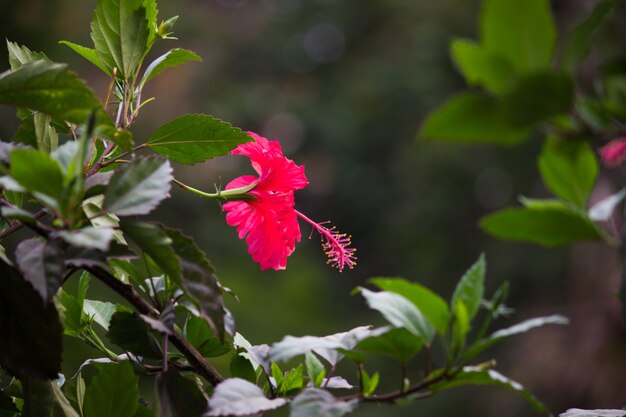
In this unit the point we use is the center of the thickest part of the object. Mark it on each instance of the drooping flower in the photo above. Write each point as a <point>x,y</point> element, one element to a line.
<point>614,152</point>
<point>268,221</point>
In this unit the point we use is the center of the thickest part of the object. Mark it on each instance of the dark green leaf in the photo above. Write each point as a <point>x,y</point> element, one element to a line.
<point>195,138</point>
<point>172,58</point>
<point>37,172</point>
<point>119,31</point>
<point>155,242</point>
<point>430,304</point>
<point>481,67</point>
<point>398,344</point>
<point>471,287</point>
<point>87,53</point>
<point>178,396</point>
<point>198,332</point>
<point>138,188</point>
<point>569,169</point>
<point>37,395</point>
<point>21,55</point>
<point>580,38</point>
<point>505,31</point>
<point>552,225</point>
<point>241,367</point>
<point>31,331</point>
<point>131,333</point>
<point>36,131</point>
<point>238,397</point>
<point>113,392</point>
<point>314,402</point>
<point>42,264</point>
<point>400,313</point>
<point>472,117</point>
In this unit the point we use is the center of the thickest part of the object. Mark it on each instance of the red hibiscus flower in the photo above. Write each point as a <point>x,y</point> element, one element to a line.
<point>268,221</point>
<point>614,152</point>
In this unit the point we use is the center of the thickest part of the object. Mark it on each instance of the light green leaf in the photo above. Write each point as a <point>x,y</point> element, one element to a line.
<point>100,311</point>
<point>460,328</point>
<point>472,117</point>
<point>137,188</point>
<point>293,380</point>
<point>314,402</point>
<point>580,38</point>
<point>569,169</point>
<point>88,53</point>
<point>471,287</point>
<point>505,30</point>
<point>236,396</point>
<point>430,304</point>
<point>172,58</point>
<point>481,67</point>
<point>314,368</point>
<point>20,55</point>
<point>113,392</point>
<point>37,172</point>
<point>120,32</point>
<point>195,138</point>
<point>400,313</point>
<point>551,225</point>
<point>89,237</point>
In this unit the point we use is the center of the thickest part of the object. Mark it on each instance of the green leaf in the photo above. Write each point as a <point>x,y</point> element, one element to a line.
<point>238,397</point>
<point>99,311</point>
<point>178,396</point>
<point>314,402</point>
<point>195,138</point>
<point>505,31</point>
<point>581,37</point>
<point>70,311</point>
<point>474,375</point>
<point>198,332</point>
<point>37,132</point>
<point>460,328</point>
<point>471,287</point>
<point>88,53</point>
<point>370,383</point>
<point>398,344</point>
<point>42,264</point>
<point>21,55</point>
<point>61,407</point>
<point>120,32</point>
<point>481,67</point>
<point>151,17</point>
<point>241,367</point>
<point>138,188</point>
<point>569,169</point>
<point>292,381</point>
<point>89,237</point>
<point>131,333</point>
<point>172,58</point>
<point>37,172</point>
<point>430,304</point>
<point>549,226</point>
<point>519,328</point>
<point>153,240</point>
<point>113,392</point>
<point>50,88</point>
<point>30,328</point>
<point>400,313</point>
<point>314,368</point>
<point>472,117</point>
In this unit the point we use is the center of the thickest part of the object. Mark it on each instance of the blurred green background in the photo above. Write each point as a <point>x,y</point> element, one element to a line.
<point>344,85</point>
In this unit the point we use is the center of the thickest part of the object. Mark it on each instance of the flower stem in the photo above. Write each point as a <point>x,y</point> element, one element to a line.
<point>223,195</point>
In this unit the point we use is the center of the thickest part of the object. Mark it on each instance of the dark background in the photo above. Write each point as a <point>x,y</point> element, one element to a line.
<point>344,85</point>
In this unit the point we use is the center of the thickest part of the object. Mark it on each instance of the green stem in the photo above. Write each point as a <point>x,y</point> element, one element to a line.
<point>233,194</point>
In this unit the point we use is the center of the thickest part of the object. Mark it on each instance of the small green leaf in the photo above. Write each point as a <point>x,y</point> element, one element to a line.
<point>131,333</point>
<point>120,32</point>
<point>430,304</point>
<point>292,381</point>
<point>178,396</point>
<point>580,38</point>
<point>36,131</point>
<point>569,169</point>
<point>505,31</point>
<point>370,383</point>
<point>241,367</point>
<point>552,225</point>
<point>37,172</point>
<point>42,264</point>
<point>314,402</point>
<point>472,117</point>
<point>195,138</point>
<point>88,53</point>
<point>314,368</point>
<point>471,287</point>
<point>460,328</point>
<point>113,392</point>
<point>172,58</point>
<point>400,313</point>
<point>238,397</point>
<point>99,311</point>
<point>138,188</point>
<point>481,67</point>
<point>21,55</point>
<point>70,311</point>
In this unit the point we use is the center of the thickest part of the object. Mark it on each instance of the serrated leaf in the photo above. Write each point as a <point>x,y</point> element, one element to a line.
<point>42,263</point>
<point>481,67</point>
<point>88,53</point>
<point>580,38</point>
<point>32,333</point>
<point>138,188</point>
<point>471,287</point>
<point>130,332</point>
<point>99,311</point>
<point>430,304</point>
<point>314,402</point>
<point>89,237</point>
<point>522,327</point>
<point>400,313</point>
<point>238,397</point>
<point>120,32</point>
<point>20,55</point>
<point>37,172</point>
<point>178,396</point>
<point>569,169</point>
<point>172,58</point>
<point>472,117</point>
<point>551,225</point>
<point>195,138</point>
<point>113,392</point>
<point>504,31</point>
